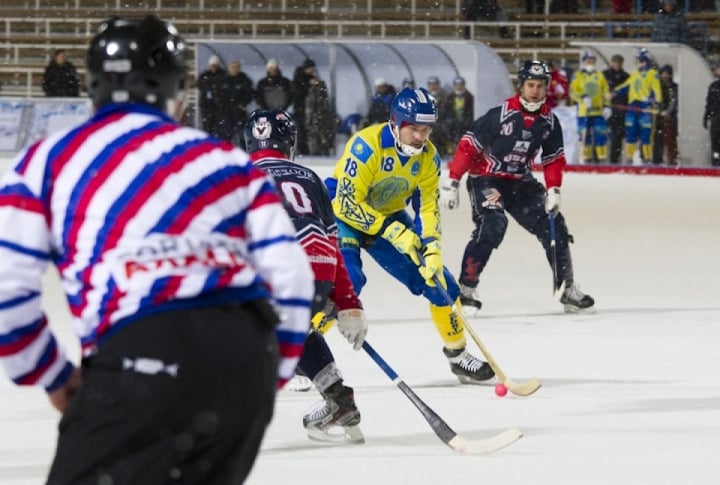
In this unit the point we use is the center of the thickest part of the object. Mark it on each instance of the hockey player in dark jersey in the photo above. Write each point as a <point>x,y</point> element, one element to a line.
<point>497,154</point>
<point>270,137</point>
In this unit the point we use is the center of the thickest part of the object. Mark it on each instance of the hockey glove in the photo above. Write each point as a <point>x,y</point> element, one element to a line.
<point>607,113</point>
<point>449,196</point>
<point>404,240</point>
<point>588,101</point>
<point>552,200</point>
<point>432,265</point>
<point>353,326</point>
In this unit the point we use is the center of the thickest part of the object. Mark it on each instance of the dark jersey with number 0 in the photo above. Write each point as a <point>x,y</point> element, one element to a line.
<point>307,201</point>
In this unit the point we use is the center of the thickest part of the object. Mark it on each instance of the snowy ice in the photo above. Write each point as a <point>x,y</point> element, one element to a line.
<point>630,395</point>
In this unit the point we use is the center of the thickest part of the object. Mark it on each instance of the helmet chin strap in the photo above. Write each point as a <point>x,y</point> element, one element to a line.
<point>404,149</point>
<point>531,107</point>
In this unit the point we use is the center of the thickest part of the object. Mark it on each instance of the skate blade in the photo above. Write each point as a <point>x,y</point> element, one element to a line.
<point>337,434</point>
<point>574,309</point>
<point>299,384</point>
<point>469,380</point>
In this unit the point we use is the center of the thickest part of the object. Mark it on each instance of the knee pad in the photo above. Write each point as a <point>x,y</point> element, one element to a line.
<point>492,227</point>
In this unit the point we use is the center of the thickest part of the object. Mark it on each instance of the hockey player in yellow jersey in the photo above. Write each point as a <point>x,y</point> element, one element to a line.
<point>644,94</point>
<point>589,89</point>
<point>383,167</point>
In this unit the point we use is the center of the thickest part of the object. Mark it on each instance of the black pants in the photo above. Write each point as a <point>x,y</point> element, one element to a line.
<point>180,397</point>
<point>715,141</point>
<point>491,198</point>
<point>617,136</point>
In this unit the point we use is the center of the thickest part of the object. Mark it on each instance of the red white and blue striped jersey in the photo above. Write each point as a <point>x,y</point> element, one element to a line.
<point>139,214</point>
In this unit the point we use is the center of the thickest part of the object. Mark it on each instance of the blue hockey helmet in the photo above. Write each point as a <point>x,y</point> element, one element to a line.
<point>272,129</point>
<point>414,106</point>
<point>643,55</point>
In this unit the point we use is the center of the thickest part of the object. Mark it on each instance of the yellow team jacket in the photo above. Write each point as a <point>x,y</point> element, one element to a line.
<point>374,181</point>
<point>643,86</point>
<point>592,84</point>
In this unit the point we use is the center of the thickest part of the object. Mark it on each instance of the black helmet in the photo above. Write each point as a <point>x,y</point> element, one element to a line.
<point>135,60</point>
<point>534,70</point>
<point>271,129</point>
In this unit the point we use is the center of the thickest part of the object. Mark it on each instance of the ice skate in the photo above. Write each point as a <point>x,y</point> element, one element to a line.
<point>575,301</point>
<point>468,368</point>
<point>335,419</point>
<point>470,302</point>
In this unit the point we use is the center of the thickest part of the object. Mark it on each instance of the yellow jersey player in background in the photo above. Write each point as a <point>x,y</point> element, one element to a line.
<point>644,95</point>
<point>589,89</point>
<point>383,167</point>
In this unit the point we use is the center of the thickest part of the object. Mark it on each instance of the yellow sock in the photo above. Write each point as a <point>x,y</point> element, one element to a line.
<point>448,325</point>
<point>647,152</point>
<point>601,153</point>
<point>587,152</point>
<point>630,150</point>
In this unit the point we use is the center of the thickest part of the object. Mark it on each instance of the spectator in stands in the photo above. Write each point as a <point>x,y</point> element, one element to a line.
<point>534,6</point>
<point>304,77</point>
<point>482,11</point>
<point>669,24</point>
<point>274,91</point>
<point>666,122</point>
<point>460,111</point>
<point>60,79</point>
<point>649,6</point>
<point>711,117</point>
<point>563,6</point>
<point>622,6</point>
<point>239,96</point>
<point>558,90</point>
<point>212,96</point>
<point>320,119</point>
<point>380,103</point>
<point>615,76</point>
<point>439,135</point>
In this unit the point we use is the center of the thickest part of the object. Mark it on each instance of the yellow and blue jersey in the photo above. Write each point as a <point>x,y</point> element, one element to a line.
<point>643,86</point>
<point>592,84</point>
<point>375,181</point>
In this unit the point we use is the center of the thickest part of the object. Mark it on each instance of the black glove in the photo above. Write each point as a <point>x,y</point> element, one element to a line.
<point>705,123</point>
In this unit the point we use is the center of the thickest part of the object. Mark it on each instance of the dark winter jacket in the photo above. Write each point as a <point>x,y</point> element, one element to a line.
<point>212,90</point>
<point>274,92</point>
<point>61,80</point>
<point>239,94</point>
<point>614,79</point>
<point>669,104</point>
<point>670,27</point>
<point>301,86</point>
<point>319,120</point>
<point>712,102</point>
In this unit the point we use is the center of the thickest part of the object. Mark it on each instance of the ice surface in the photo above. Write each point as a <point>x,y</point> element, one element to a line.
<point>630,395</point>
